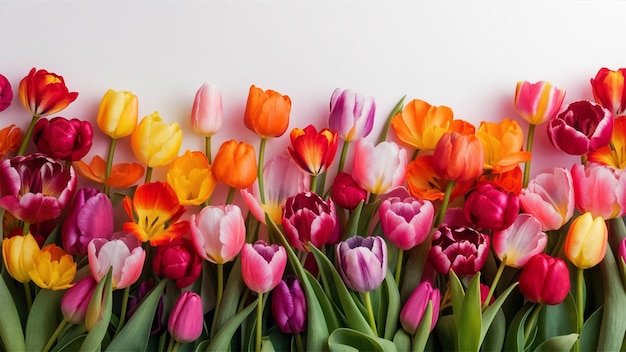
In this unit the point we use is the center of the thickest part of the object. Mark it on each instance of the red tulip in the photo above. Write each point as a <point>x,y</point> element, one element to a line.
<point>458,157</point>
<point>313,152</point>
<point>346,192</point>
<point>491,208</point>
<point>44,93</point>
<point>309,218</point>
<point>609,89</point>
<point>545,279</point>
<point>6,93</point>
<point>462,249</point>
<point>63,139</point>
<point>177,261</point>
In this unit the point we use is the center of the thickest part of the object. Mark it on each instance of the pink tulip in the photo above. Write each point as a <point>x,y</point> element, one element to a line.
<point>406,223</point>
<point>76,300</point>
<point>538,102</point>
<point>489,207</point>
<point>89,216</point>
<point>622,250</point>
<point>309,218</point>
<point>262,265</point>
<point>598,179</point>
<point>484,292</point>
<point>346,192</point>
<point>550,198</point>
<point>413,311</point>
<point>6,93</point>
<point>380,168</point>
<point>461,249</point>
<point>218,233</point>
<point>351,114</point>
<point>186,318</point>
<point>123,254</point>
<point>63,139</point>
<point>206,113</point>
<point>519,242</point>
<point>178,262</point>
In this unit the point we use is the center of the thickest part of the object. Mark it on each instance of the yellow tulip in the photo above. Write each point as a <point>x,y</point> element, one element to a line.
<point>156,143</point>
<point>53,268</point>
<point>18,253</point>
<point>190,176</point>
<point>117,114</point>
<point>585,244</point>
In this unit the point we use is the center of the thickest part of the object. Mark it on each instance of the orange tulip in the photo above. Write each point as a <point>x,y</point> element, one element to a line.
<point>510,181</point>
<point>235,165</point>
<point>614,154</point>
<point>267,113</point>
<point>190,176</point>
<point>313,151</point>
<point>44,93</point>
<point>420,125</point>
<point>424,183</point>
<point>10,139</point>
<point>458,157</point>
<point>123,175</point>
<point>502,143</point>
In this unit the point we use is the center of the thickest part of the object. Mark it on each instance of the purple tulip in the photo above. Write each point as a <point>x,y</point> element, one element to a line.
<point>583,127</point>
<point>133,303</point>
<point>35,188</point>
<point>89,216</point>
<point>63,139</point>
<point>6,93</point>
<point>351,114</point>
<point>186,319</point>
<point>489,207</point>
<point>309,218</point>
<point>362,262</point>
<point>406,223</point>
<point>459,248</point>
<point>346,192</point>
<point>76,300</point>
<point>289,306</point>
<point>415,307</point>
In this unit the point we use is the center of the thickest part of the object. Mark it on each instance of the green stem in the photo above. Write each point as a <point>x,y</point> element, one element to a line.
<point>492,289</point>
<point>260,169</point>
<point>531,322</point>
<point>529,148</point>
<point>176,345</point>
<point>27,136</point>
<point>342,159</point>
<point>416,153</point>
<point>207,148</point>
<point>123,309</point>
<point>314,183</point>
<point>399,266</point>
<point>218,299</point>
<point>148,174</point>
<point>29,296</point>
<point>259,323</point>
<point>54,336</point>
<point>299,344</point>
<point>170,345</point>
<point>370,312</point>
<point>394,112</point>
<point>444,204</point>
<point>107,173</point>
<point>231,195</point>
<point>580,306</point>
<point>26,228</point>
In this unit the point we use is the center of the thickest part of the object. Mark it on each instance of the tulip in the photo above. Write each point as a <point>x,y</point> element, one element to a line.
<point>6,93</point>
<point>545,280</point>
<point>190,177</point>
<point>122,175</point>
<point>76,300</point>
<point>35,188</point>
<point>177,261</point>
<point>346,192</point>
<point>309,218</point>
<point>421,125</point>
<point>609,89</point>
<point>351,114</point>
<point>406,222</point>
<point>550,198</point>
<point>537,102</point>
<point>519,242</point>
<point>289,306</point>
<point>267,112</point>
<point>89,216</point>
<point>276,171</point>
<point>235,165</point>
<point>53,268</point>
<point>44,93</point>
<point>414,308</point>
<point>362,262</point>
<point>186,318</point>
<point>585,244</point>
<point>262,265</point>
<point>622,249</point>
<point>458,157</point>
<point>154,142</point>
<point>584,126</point>
<point>154,211</point>
<point>597,179</point>
<point>118,113</point>
<point>613,154</point>
<point>218,233</point>
<point>380,168</point>
<point>123,254</point>
<point>424,183</point>
<point>502,142</point>
<point>10,139</point>
<point>18,253</point>
<point>458,248</point>
<point>313,152</point>
<point>63,139</point>
<point>206,112</point>
<point>489,207</point>
<point>484,293</point>
<point>509,181</point>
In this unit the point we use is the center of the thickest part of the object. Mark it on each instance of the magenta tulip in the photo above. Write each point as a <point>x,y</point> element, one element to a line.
<point>380,168</point>
<point>598,179</point>
<point>218,233</point>
<point>63,139</point>
<point>461,249</point>
<point>76,300</point>
<point>351,114</point>
<point>289,306</point>
<point>262,265</point>
<point>123,254</point>
<point>206,113</point>
<point>550,198</point>
<point>89,216</point>
<point>413,311</point>
<point>309,218</point>
<point>622,250</point>
<point>177,261</point>
<point>406,223</point>
<point>35,188</point>
<point>489,207</point>
<point>186,318</point>
<point>6,93</point>
<point>519,242</point>
<point>362,262</point>
<point>346,192</point>
<point>545,279</point>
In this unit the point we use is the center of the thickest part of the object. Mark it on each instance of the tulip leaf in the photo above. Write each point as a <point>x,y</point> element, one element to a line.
<point>613,322</point>
<point>590,334</point>
<point>515,334</point>
<point>367,214</point>
<point>420,339</point>
<point>556,320</point>
<point>394,112</point>
<point>402,340</point>
<point>230,298</point>
<point>43,318</point>
<point>100,301</point>
<point>11,332</point>
<point>391,309</point>
<point>490,313</point>
<point>329,310</point>
<point>494,339</point>
<point>221,340</point>
<point>470,328</point>
<point>413,268</point>
<point>135,334</point>
<point>446,332</point>
<point>344,339</point>
<point>72,339</point>
<point>558,343</point>
<point>352,227</point>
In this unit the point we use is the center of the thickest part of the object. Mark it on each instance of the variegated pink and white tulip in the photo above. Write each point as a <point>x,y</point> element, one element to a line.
<point>218,232</point>
<point>550,198</point>
<point>380,168</point>
<point>598,179</point>
<point>519,242</point>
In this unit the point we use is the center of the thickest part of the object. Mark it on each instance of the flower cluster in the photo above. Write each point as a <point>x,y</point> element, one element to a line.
<point>434,237</point>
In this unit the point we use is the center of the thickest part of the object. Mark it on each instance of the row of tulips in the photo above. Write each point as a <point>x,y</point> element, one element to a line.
<point>453,248</point>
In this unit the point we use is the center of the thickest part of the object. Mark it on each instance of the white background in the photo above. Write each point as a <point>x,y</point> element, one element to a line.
<point>466,55</point>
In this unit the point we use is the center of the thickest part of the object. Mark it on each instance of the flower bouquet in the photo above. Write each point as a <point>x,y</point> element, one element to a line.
<point>434,237</point>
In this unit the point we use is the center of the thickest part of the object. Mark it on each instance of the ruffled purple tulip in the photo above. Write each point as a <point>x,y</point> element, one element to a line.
<point>413,311</point>
<point>362,262</point>
<point>6,93</point>
<point>76,300</point>
<point>289,306</point>
<point>346,192</point>
<point>309,218</point>
<point>406,223</point>
<point>460,248</point>
<point>583,127</point>
<point>351,114</point>
<point>63,139</point>
<point>89,216</point>
<point>186,319</point>
<point>35,188</point>
<point>489,207</point>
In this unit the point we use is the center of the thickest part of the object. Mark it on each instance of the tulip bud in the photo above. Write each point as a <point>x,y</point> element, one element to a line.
<point>609,89</point>
<point>186,319</point>
<point>218,232</point>
<point>346,192</point>
<point>406,223</point>
<point>76,300</point>
<point>10,139</point>
<point>289,306</point>
<point>362,262</point>
<point>262,265</point>
<point>235,165</point>
<point>460,248</point>
<point>622,250</point>
<point>491,208</point>
<point>177,261</point>
<point>89,216</point>
<point>267,112</point>
<point>154,142</point>
<point>538,102</point>
<point>63,139</point>
<point>308,218</point>
<point>351,114</point>
<point>458,157</point>
<point>118,113</point>
<point>413,311</point>
<point>484,292</point>
<point>6,93</point>
<point>585,244</point>
<point>18,253</point>
<point>206,113</point>
<point>545,280</point>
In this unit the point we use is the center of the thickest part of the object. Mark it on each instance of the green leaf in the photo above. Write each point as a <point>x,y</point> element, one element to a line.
<point>470,327</point>
<point>328,309</point>
<point>394,112</point>
<point>558,343</point>
<point>613,323</point>
<point>392,307</point>
<point>367,214</point>
<point>43,318</point>
<point>418,342</point>
<point>103,295</point>
<point>402,340</point>
<point>515,334</point>
<point>491,311</point>
<point>344,339</point>
<point>556,320</point>
<point>446,332</point>
<point>135,334</point>
<point>11,331</point>
<point>221,340</point>
<point>352,227</point>
<point>232,292</point>
<point>591,331</point>
<point>457,294</point>
<point>413,268</point>
<point>494,339</point>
